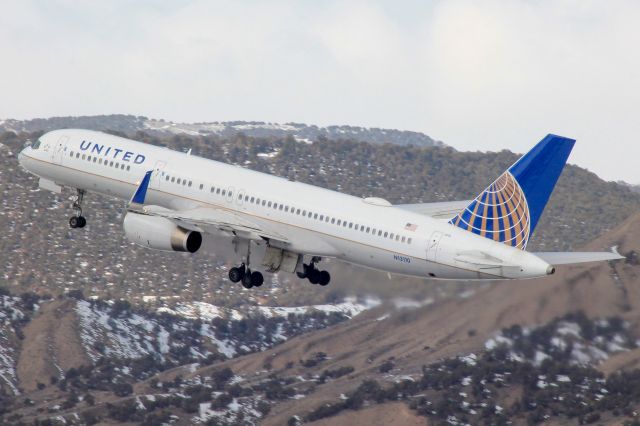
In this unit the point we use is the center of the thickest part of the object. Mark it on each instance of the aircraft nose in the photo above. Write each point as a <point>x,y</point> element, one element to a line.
<point>22,158</point>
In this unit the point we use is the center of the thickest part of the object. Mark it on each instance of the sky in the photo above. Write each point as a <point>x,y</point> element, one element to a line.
<point>479,76</point>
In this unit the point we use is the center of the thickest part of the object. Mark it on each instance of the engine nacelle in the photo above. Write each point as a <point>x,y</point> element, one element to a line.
<point>160,233</point>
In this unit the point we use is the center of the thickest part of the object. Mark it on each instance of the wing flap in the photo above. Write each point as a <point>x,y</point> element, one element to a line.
<point>569,258</point>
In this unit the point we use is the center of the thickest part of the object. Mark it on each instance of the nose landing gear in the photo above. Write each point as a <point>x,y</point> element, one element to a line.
<point>77,220</point>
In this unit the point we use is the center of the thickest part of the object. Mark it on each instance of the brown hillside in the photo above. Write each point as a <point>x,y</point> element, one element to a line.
<point>417,337</point>
<point>392,413</point>
<point>51,344</point>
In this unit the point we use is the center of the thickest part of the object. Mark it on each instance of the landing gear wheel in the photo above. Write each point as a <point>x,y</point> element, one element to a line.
<point>314,276</point>
<point>74,222</point>
<point>236,274</point>
<point>256,279</point>
<point>325,278</point>
<point>246,280</point>
<point>82,222</point>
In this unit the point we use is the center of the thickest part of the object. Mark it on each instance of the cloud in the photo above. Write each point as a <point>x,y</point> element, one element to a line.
<point>487,75</point>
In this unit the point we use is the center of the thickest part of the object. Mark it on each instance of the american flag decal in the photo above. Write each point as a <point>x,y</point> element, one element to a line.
<point>411,227</point>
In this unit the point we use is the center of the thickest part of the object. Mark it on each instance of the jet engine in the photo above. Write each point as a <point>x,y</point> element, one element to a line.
<point>160,233</point>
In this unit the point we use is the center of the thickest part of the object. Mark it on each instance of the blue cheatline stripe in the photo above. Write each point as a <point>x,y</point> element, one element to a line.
<point>141,192</point>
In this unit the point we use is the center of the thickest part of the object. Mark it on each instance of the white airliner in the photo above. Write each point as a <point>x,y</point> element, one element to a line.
<point>175,198</point>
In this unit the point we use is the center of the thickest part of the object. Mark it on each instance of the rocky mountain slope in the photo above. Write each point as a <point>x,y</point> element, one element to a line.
<point>495,351</point>
<point>300,132</point>
<point>97,329</point>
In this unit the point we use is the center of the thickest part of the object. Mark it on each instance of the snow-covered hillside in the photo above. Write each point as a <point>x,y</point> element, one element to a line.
<point>301,132</point>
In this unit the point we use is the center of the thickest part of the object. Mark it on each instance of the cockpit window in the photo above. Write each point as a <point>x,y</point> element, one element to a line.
<point>36,144</point>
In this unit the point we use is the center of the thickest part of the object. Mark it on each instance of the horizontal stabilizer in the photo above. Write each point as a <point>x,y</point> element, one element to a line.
<point>568,258</point>
<point>439,210</point>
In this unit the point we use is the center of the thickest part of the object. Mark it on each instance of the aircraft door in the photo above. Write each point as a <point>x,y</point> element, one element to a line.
<point>158,172</point>
<point>432,246</point>
<point>58,149</point>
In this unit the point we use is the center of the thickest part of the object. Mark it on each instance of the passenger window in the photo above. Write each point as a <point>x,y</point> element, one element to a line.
<point>403,239</point>
<point>397,237</point>
<point>246,198</point>
<point>315,216</point>
<point>239,196</point>
<point>264,202</point>
<point>84,156</point>
<point>128,168</point>
<point>167,178</point>
<point>96,159</point>
<point>178,181</point>
<point>71,153</point>
<point>333,220</point>
<point>77,155</point>
<point>280,207</point>
<point>286,209</point>
<point>218,191</point>
<point>379,233</point>
<point>339,221</point>
<point>201,186</point>
<point>173,179</point>
<point>224,191</point>
<point>212,189</point>
<point>122,166</point>
<point>321,217</point>
<point>111,164</point>
<point>409,241</point>
<point>391,236</point>
<point>386,234</point>
<point>230,193</point>
<point>269,205</point>
<point>309,215</point>
<point>368,229</point>
<point>190,182</point>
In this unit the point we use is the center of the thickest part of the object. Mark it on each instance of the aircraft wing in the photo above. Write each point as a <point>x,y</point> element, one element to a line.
<point>568,258</point>
<point>213,220</point>
<point>202,219</point>
<point>439,210</point>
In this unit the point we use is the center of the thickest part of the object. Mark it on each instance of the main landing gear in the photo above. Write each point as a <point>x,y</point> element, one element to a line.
<point>77,220</point>
<point>312,273</point>
<point>243,273</point>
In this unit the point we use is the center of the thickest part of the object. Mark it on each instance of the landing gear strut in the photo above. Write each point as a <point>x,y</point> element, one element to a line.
<point>312,273</point>
<point>77,220</point>
<point>244,274</point>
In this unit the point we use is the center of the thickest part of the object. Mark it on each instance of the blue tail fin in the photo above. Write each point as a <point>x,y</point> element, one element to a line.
<point>509,209</point>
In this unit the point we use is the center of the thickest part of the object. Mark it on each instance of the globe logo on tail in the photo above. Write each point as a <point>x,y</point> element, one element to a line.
<point>500,213</point>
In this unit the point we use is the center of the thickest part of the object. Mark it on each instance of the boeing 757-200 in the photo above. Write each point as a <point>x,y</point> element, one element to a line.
<point>175,198</point>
